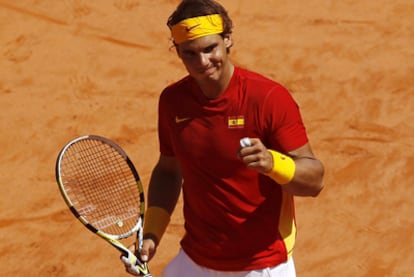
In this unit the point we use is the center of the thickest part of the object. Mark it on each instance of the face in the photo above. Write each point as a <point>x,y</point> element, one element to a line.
<point>206,58</point>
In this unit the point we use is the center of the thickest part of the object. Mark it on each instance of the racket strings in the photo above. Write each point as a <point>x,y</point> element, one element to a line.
<point>102,186</point>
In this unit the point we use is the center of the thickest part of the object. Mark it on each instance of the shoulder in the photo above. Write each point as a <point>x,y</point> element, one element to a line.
<point>185,81</point>
<point>251,77</point>
<point>181,85</point>
<point>259,85</point>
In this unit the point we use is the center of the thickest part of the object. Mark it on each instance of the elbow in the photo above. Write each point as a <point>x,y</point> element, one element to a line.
<point>308,183</point>
<point>318,184</point>
<point>317,190</point>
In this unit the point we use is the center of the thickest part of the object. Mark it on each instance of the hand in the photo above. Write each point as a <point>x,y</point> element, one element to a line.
<point>129,263</point>
<point>146,254</point>
<point>255,155</point>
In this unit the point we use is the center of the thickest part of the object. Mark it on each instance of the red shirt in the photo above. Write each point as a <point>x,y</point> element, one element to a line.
<point>235,218</point>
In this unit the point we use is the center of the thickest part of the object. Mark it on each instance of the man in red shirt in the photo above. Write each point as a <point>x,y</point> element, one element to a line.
<point>235,143</point>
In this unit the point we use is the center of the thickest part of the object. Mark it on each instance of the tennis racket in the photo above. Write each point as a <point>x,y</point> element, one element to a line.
<point>103,190</point>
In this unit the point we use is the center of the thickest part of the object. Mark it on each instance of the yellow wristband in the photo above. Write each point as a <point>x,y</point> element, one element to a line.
<point>283,169</point>
<point>156,221</point>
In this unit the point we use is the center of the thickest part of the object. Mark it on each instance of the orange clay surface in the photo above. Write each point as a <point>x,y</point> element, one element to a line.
<point>75,67</point>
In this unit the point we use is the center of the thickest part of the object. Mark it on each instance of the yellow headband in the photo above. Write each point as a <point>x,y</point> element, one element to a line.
<point>197,27</point>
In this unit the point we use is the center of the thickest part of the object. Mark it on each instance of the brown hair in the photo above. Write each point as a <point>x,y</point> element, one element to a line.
<point>193,8</point>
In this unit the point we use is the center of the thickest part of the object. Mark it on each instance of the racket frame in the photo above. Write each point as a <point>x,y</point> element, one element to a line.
<point>110,238</point>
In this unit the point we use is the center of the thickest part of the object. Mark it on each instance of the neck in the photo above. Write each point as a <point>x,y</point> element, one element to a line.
<point>214,89</point>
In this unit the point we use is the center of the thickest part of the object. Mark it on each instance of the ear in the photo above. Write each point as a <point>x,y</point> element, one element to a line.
<point>228,41</point>
<point>177,51</point>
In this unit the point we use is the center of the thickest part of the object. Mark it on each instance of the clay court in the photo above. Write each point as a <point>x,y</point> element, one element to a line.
<point>75,67</point>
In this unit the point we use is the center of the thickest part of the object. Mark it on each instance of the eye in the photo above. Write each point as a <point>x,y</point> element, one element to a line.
<point>210,48</point>
<point>188,54</point>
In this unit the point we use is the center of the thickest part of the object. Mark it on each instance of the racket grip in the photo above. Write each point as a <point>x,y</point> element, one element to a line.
<point>144,271</point>
<point>142,267</point>
<point>135,266</point>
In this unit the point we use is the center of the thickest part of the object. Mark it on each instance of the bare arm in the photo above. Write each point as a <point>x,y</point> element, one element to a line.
<point>163,192</point>
<point>165,184</point>
<point>309,172</point>
<point>308,175</point>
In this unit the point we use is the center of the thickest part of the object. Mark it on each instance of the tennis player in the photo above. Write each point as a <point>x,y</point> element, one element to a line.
<point>238,198</point>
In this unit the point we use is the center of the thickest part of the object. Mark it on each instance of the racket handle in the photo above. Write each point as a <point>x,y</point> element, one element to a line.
<point>143,268</point>
<point>142,265</point>
<point>134,264</point>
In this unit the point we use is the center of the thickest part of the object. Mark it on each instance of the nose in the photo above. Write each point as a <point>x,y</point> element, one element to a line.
<point>204,59</point>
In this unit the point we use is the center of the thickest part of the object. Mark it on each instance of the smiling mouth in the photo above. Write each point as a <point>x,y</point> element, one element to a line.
<point>208,71</point>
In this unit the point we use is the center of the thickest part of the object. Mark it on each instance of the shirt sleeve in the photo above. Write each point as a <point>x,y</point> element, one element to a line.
<point>284,121</point>
<point>164,126</point>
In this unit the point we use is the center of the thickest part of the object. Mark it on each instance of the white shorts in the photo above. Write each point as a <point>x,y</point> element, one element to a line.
<point>183,266</point>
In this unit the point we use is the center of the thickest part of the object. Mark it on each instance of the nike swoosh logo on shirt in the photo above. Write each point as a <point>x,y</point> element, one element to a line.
<point>181,119</point>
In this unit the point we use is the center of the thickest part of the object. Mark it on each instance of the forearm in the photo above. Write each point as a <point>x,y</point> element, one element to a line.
<point>164,189</point>
<point>299,172</point>
<point>163,192</point>
<point>308,176</point>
